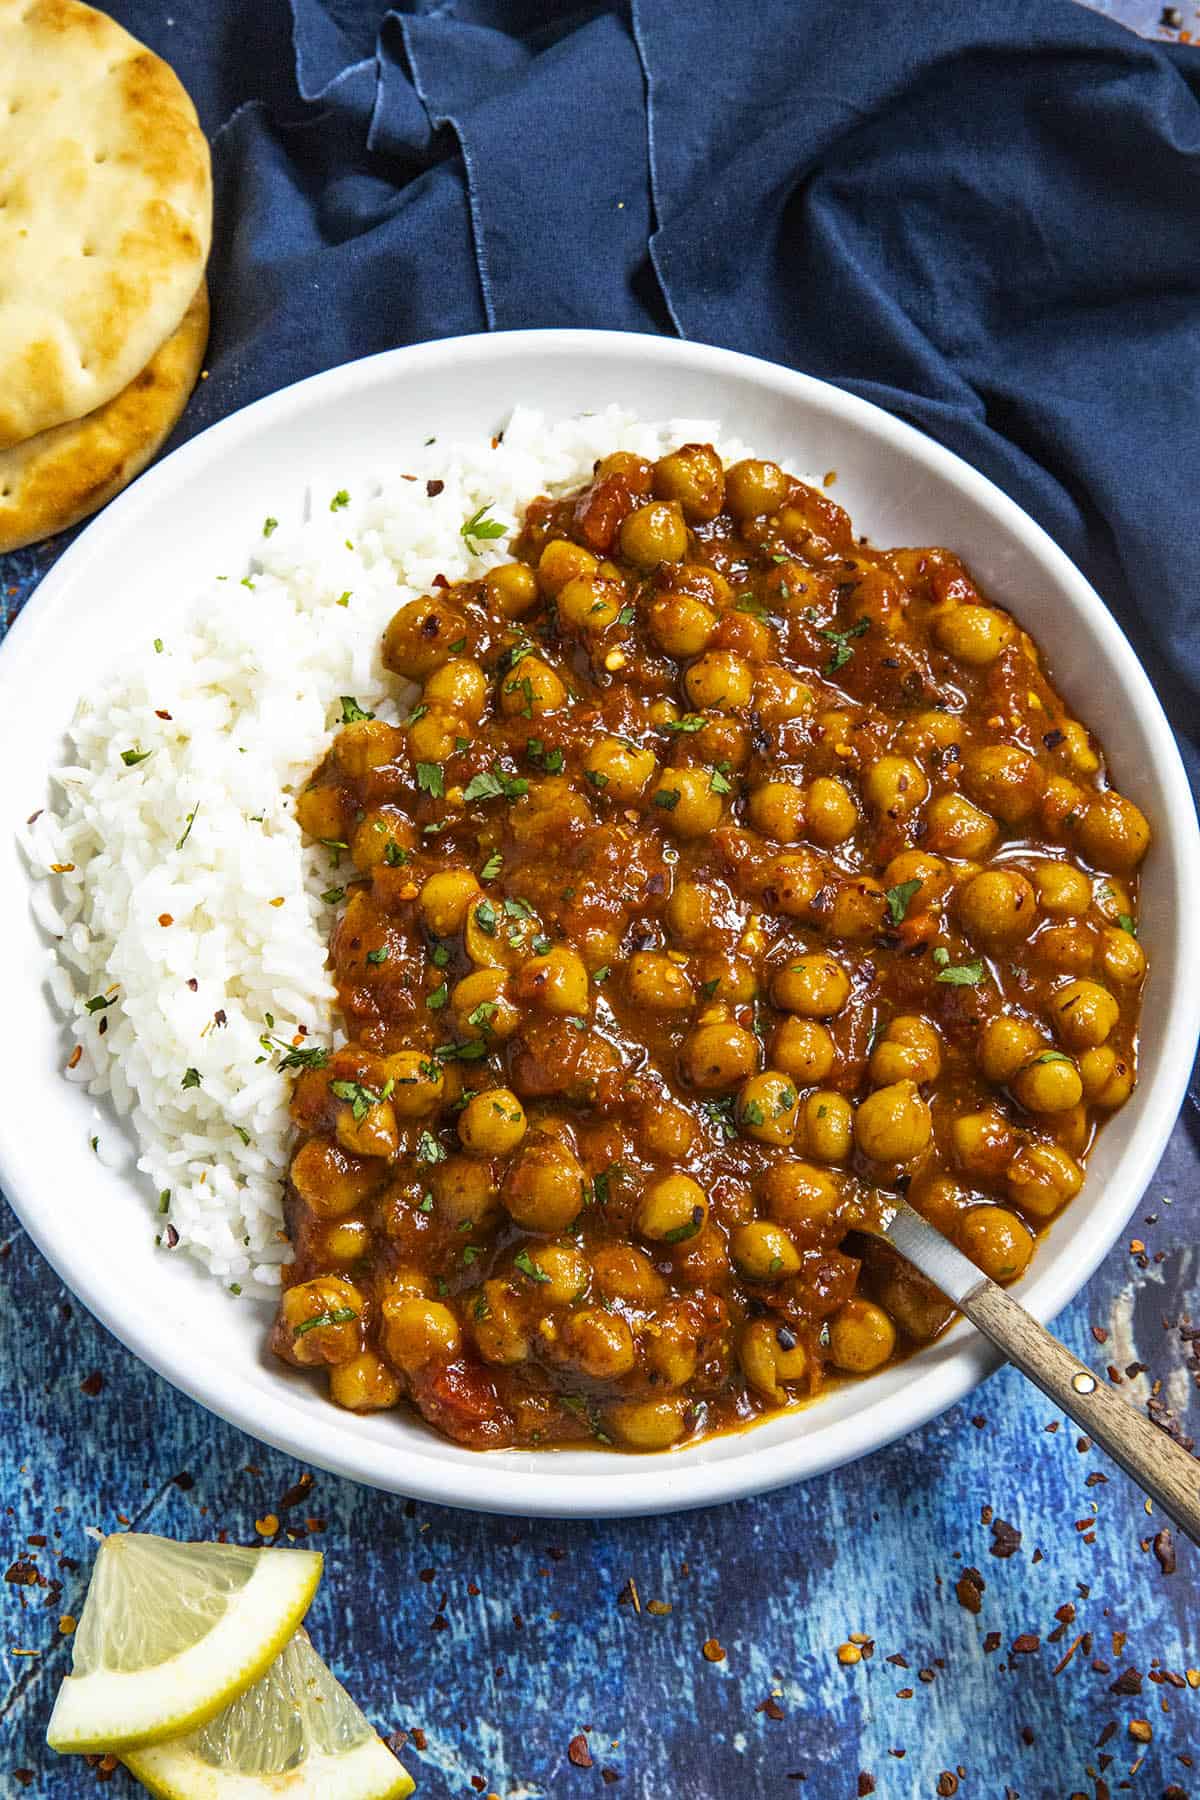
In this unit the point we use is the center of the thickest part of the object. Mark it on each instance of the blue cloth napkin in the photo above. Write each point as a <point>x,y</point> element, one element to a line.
<point>985,217</point>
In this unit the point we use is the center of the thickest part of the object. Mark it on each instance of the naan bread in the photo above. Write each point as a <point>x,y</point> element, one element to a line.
<point>105,211</point>
<point>60,476</point>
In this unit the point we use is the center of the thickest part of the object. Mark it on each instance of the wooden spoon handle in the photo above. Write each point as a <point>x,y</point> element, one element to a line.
<point>1163,1468</point>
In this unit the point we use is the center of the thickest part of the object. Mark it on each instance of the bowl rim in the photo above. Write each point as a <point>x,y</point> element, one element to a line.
<point>663,1482</point>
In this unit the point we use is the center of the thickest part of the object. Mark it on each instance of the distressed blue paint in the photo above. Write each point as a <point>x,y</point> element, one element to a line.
<point>780,1582</point>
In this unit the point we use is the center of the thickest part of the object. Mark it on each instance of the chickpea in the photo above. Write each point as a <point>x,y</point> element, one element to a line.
<point>997,907</point>
<point>597,1343</point>
<point>776,808</point>
<point>792,883</point>
<point>1122,957</point>
<point>827,1127</point>
<point>718,1056</point>
<point>719,681</point>
<point>1112,898</point>
<point>672,1209</point>
<point>815,985</point>
<point>460,686</point>
<point>861,1337</point>
<point>379,827</point>
<point>444,899</point>
<point>767,1107</point>
<point>1004,781</point>
<point>365,745</point>
<point>779,695</point>
<point>931,730</point>
<point>1066,949</point>
<point>618,770</point>
<point>654,534</point>
<point>556,981</point>
<point>803,1049</point>
<point>635,471</point>
<point>364,1384</point>
<point>1113,833</point>
<point>1041,1178</point>
<point>563,1272</point>
<point>763,1251</point>
<point>1006,1044</point>
<point>419,1083</point>
<point>729,978</point>
<point>895,785</point>
<point>404,1283</point>
<point>561,561</point>
<point>1083,1013</point>
<point>1107,1077</point>
<point>373,1133</point>
<point>703,1260</point>
<point>668,1130</point>
<point>319,813</point>
<point>1049,1084</point>
<point>858,908</point>
<point>939,1200</point>
<point>1072,1128</point>
<point>647,1424</point>
<point>681,625</point>
<point>984,1143</point>
<point>653,980</point>
<point>799,1195</point>
<point>415,1332</point>
<point>500,1333</point>
<point>492,1123</point>
<point>1063,891</point>
<point>544,1186</point>
<point>435,736</point>
<point>671,1344</point>
<point>331,1183</point>
<point>690,912</point>
<point>770,1353</point>
<point>327,1297</point>
<point>692,476</point>
<point>909,1050</point>
<point>589,603</point>
<point>512,589</point>
<point>996,1241</point>
<point>686,802</point>
<point>893,1124</point>
<point>831,812</point>
<point>418,638</point>
<point>481,1002</point>
<point>622,1272</point>
<point>347,1241</point>
<point>464,1190</point>
<point>1062,803</point>
<point>912,1303</point>
<point>975,635</point>
<point>531,689</point>
<point>753,488</point>
<point>956,828</point>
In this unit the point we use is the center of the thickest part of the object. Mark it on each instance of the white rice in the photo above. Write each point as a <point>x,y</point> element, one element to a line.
<point>207,935</point>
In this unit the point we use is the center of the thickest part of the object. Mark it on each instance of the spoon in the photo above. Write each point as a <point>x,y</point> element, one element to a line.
<point>1161,1468</point>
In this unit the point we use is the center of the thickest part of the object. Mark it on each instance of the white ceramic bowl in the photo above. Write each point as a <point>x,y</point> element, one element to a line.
<point>201,509</point>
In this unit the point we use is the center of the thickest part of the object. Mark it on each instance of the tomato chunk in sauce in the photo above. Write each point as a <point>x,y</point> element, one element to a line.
<point>724,871</point>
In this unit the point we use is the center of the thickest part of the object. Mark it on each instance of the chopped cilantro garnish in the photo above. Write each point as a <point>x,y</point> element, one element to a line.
<point>100,1001</point>
<point>191,1078</point>
<point>378,956</point>
<point>842,651</point>
<point>394,854</point>
<point>429,1150</point>
<point>752,1113</point>
<point>294,1057</point>
<point>439,956</point>
<point>960,975</point>
<point>340,500</point>
<point>269,525</point>
<point>667,798</point>
<point>523,1261</point>
<point>486,917</point>
<point>131,758</point>
<point>719,782</point>
<point>351,710</point>
<point>480,528</point>
<point>900,897</point>
<point>360,1098</point>
<point>1127,923</point>
<point>492,866</point>
<point>494,782</point>
<point>158,646</point>
<point>431,780</point>
<point>187,829</point>
<point>438,998</point>
<point>331,896</point>
<point>597,778</point>
<point>627,615</point>
<point>690,722</point>
<point>341,1315</point>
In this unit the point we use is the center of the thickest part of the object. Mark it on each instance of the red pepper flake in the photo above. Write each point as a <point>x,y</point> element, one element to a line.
<point>1027,1734</point>
<point>608,1776</point>
<point>420,1741</point>
<point>1026,1644</point>
<point>1099,1333</point>
<point>1065,1658</point>
<point>170,1237</point>
<point>1164,1550</point>
<point>1108,1732</point>
<point>991,1642</point>
<point>159,714</point>
<point>866,1784</point>
<point>434,488</point>
<point>37,1539</point>
<point>165,919</point>
<point>905,1693</point>
<point>73,1059</point>
<point>22,1573</point>
<point>771,1707</point>
<point>92,1384</point>
<point>712,1651</point>
<point>183,1481</point>
<point>61,868</point>
<point>1129,1681</point>
<point>24,1776</point>
<point>1006,1539</point>
<point>947,1784</point>
<point>897,1661</point>
<point>426,1574</point>
<point>440,1623</point>
<point>969,1589</point>
<point>578,1752</point>
<point>478,1783</point>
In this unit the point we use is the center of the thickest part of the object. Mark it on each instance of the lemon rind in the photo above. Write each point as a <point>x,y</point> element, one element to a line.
<point>368,1772</point>
<point>113,1710</point>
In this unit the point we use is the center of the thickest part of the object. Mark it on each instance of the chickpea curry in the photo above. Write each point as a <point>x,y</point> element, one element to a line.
<point>725,871</point>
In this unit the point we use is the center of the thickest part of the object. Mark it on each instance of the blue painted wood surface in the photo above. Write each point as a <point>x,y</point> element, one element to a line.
<point>494,1643</point>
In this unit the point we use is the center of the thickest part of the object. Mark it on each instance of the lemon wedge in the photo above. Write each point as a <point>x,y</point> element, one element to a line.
<point>295,1733</point>
<point>170,1633</point>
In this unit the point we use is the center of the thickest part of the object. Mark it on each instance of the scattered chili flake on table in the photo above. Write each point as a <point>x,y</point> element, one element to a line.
<point>578,1752</point>
<point>267,1526</point>
<point>969,1589</point>
<point>92,1384</point>
<point>849,1654</point>
<point>1006,1539</point>
<point>714,1652</point>
<point>1164,1550</point>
